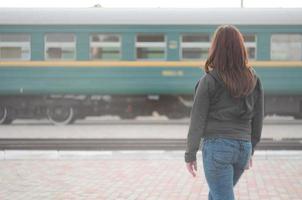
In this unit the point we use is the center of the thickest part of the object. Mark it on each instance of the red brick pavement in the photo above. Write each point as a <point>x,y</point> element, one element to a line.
<point>140,179</point>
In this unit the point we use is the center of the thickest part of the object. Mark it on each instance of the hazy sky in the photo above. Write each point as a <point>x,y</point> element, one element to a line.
<point>150,3</point>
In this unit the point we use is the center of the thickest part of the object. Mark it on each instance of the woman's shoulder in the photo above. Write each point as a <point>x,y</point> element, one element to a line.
<point>207,78</point>
<point>258,88</point>
<point>254,72</point>
<point>207,81</point>
<point>257,78</point>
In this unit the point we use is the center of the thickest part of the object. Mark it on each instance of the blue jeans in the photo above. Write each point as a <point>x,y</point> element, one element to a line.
<point>224,161</point>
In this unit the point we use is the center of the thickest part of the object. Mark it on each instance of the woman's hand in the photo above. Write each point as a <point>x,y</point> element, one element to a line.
<point>249,163</point>
<point>192,168</point>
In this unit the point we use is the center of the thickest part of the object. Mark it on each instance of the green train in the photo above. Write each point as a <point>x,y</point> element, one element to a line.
<point>67,64</point>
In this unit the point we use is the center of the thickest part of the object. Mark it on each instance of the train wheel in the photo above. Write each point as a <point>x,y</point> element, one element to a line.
<point>4,116</point>
<point>61,115</point>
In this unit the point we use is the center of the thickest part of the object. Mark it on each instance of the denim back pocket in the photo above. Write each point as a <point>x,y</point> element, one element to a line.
<point>221,159</point>
<point>222,153</point>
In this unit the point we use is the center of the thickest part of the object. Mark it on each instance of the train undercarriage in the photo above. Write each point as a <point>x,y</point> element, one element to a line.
<point>66,109</point>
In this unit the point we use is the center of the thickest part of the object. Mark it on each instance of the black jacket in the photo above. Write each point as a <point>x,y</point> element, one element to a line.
<point>215,113</point>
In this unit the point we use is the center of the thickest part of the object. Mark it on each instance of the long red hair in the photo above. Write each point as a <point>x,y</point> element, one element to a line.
<point>228,56</point>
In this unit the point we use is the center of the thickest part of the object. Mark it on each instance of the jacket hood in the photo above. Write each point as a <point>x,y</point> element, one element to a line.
<point>214,73</point>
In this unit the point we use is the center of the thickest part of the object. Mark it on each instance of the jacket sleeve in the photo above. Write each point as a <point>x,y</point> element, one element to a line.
<point>257,120</point>
<point>198,117</point>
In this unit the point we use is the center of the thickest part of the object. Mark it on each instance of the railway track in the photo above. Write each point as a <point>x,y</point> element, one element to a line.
<point>127,144</point>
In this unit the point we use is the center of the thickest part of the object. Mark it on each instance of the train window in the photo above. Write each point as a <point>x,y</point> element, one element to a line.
<point>60,46</point>
<point>14,47</point>
<point>150,46</point>
<point>105,47</point>
<point>286,47</point>
<point>195,46</point>
<point>250,44</point>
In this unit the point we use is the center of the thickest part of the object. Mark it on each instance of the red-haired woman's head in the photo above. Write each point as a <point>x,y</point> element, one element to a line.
<point>228,56</point>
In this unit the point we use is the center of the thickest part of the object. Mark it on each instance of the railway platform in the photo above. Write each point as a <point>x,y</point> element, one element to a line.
<point>115,173</point>
<point>138,175</point>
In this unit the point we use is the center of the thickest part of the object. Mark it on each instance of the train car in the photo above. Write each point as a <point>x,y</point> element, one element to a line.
<point>66,64</point>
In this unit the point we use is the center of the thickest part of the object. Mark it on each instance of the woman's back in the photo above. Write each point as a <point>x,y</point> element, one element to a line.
<point>226,116</point>
<point>223,106</point>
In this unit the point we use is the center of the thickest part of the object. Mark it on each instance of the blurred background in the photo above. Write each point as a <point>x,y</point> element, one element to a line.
<point>107,79</point>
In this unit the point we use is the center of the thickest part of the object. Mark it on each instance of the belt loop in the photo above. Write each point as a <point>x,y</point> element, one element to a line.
<point>241,146</point>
